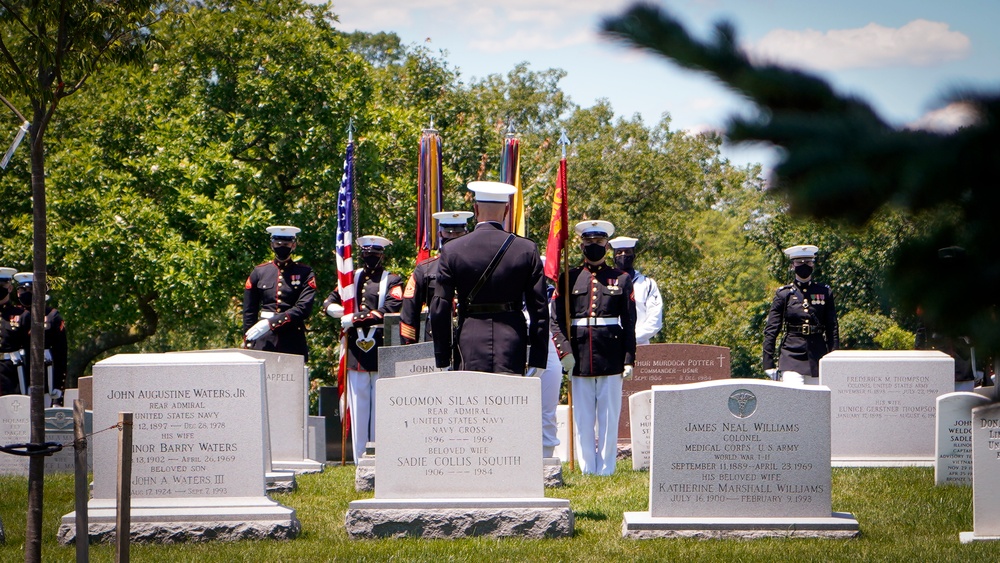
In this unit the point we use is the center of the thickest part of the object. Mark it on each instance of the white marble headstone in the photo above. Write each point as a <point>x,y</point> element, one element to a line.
<point>953,444</point>
<point>883,404</point>
<point>59,429</point>
<point>412,359</point>
<point>986,474</point>
<point>641,426</point>
<point>15,428</point>
<point>198,421</point>
<point>459,434</point>
<point>740,449</point>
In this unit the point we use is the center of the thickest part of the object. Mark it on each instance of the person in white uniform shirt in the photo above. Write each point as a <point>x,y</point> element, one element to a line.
<point>648,304</point>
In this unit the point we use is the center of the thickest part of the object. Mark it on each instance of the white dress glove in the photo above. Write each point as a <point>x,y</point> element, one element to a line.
<point>627,373</point>
<point>347,321</point>
<point>772,374</point>
<point>531,372</point>
<point>260,329</point>
<point>335,310</point>
<point>568,363</point>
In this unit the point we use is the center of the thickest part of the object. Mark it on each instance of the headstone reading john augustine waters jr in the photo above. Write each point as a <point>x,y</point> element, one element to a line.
<point>459,454</point>
<point>197,450</point>
<point>670,364</point>
<point>744,459</point>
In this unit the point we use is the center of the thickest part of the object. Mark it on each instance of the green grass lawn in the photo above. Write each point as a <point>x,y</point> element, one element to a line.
<point>903,517</point>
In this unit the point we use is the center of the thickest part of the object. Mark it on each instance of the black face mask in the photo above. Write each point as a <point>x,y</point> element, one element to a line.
<point>25,298</point>
<point>625,262</point>
<point>803,271</point>
<point>594,252</point>
<point>372,262</point>
<point>3,293</point>
<point>282,252</point>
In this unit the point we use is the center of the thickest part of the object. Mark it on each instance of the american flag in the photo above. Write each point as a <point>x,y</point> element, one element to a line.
<point>345,268</point>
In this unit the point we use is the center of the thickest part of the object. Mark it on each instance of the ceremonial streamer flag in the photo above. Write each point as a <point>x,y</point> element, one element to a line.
<point>430,179</point>
<point>510,173</point>
<point>345,266</point>
<point>558,225</point>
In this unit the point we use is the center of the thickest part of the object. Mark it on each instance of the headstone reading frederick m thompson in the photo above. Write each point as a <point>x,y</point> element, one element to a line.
<point>883,404</point>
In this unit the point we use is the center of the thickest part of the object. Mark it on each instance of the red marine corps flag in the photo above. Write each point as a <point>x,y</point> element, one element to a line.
<point>345,268</point>
<point>430,179</point>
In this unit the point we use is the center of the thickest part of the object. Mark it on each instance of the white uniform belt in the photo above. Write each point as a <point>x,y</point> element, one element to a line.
<point>9,356</point>
<point>596,321</point>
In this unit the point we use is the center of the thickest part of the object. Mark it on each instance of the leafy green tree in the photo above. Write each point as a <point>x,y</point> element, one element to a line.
<point>50,51</point>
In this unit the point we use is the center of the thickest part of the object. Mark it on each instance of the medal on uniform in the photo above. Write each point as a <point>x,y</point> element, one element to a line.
<point>295,279</point>
<point>366,340</point>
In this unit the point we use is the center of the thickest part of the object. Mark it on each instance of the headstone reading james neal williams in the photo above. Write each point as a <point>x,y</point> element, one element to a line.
<point>740,459</point>
<point>986,475</point>
<point>197,450</point>
<point>883,404</point>
<point>459,454</point>
<point>953,444</point>
<point>670,364</point>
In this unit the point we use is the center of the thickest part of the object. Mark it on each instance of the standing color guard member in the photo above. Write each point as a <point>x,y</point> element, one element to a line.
<point>420,287</point>
<point>495,274</point>
<point>278,298</point>
<point>14,327</point>
<point>55,340</point>
<point>806,311</point>
<point>378,292</point>
<point>602,336</point>
<point>648,304</point>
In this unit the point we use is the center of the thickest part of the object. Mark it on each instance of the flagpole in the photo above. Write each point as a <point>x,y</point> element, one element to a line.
<point>344,411</point>
<point>564,141</point>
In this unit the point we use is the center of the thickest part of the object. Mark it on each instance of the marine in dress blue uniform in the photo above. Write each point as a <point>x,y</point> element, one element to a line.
<point>420,287</point>
<point>378,293</point>
<point>492,334</point>
<point>601,336</point>
<point>805,311</point>
<point>278,298</point>
<point>55,340</point>
<point>14,326</point>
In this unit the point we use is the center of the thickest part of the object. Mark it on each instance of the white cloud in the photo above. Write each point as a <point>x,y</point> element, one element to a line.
<point>918,43</point>
<point>946,119</point>
<point>528,40</point>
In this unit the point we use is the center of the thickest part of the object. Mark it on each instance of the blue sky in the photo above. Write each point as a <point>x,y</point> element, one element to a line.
<point>902,56</point>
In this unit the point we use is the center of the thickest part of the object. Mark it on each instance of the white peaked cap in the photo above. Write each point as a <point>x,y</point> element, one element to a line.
<point>7,273</point>
<point>373,240</point>
<point>486,192</point>
<point>801,251</point>
<point>595,226</point>
<point>283,231</point>
<point>453,217</point>
<point>24,277</point>
<point>623,242</point>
